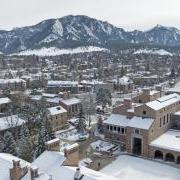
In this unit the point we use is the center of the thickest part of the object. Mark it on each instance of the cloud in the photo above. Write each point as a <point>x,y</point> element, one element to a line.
<point>130,14</point>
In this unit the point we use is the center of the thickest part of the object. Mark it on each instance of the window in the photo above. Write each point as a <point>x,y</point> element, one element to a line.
<point>167,118</point>
<point>144,112</point>
<point>164,120</point>
<point>119,129</point>
<point>111,128</point>
<point>136,131</point>
<point>122,130</point>
<point>115,128</point>
<point>108,127</point>
<point>160,122</point>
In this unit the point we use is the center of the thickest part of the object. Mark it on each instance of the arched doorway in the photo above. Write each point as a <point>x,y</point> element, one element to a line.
<point>170,157</point>
<point>178,160</point>
<point>158,154</point>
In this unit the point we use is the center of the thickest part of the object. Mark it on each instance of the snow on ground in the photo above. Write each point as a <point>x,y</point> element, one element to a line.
<point>161,52</point>
<point>102,146</point>
<point>53,51</point>
<point>71,135</point>
<point>132,168</point>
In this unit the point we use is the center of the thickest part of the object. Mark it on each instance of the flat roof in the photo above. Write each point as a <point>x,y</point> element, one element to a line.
<point>133,168</point>
<point>170,140</point>
<point>56,110</point>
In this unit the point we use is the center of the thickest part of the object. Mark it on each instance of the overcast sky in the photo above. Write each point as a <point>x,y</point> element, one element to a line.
<point>129,14</point>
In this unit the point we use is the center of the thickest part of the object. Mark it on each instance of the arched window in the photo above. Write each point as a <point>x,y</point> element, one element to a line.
<point>178,160</point>
<point>158,154</point>
<point>169,157</point>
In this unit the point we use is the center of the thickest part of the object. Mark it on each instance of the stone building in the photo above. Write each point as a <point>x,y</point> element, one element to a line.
<point>72,105</point>
<point>142,130</point>
<point>58,117</point>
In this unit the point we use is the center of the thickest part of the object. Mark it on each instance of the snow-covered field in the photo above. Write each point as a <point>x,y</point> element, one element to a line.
<point>161,52</point>
<point>102,146</point>
<point>131,168</point>
<point>53,51</point>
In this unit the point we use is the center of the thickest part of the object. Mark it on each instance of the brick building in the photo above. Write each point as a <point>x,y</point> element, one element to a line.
<point>141,128</point>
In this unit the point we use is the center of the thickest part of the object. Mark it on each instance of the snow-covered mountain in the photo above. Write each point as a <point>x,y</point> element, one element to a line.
<point>75,31</point>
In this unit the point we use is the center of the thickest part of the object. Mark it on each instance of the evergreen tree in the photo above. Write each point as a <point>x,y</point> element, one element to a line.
<point>103,97</point>
<point>41,147</point>
<point>81,126</point>
<point>49,134</point>
<point>100,124</point>
<point>1,144</point>
<point>10,145</point>
<point>25,144</point>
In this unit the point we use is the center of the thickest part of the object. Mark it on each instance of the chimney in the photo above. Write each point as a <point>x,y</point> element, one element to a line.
<point>72,155</point>
<point>159,88</point>
<point>128,103</point>
<point>78,175</point>
<point>66,95</point>
<point>16,172</point>
<point>146,91</point>
<point>34,173</point>
<point>53,145</point>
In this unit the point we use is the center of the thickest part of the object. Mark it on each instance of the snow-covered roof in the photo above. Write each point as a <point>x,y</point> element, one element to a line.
<point>51,163</point>
<point>163,101</point>
<point>125,80</point>
<point>136,122</point>
<point>53,100</point>
<point>56,110</point>
<point>133,168</point>
<point>141,123</point>
<point>175,89</point>
<point>5,100</point>
<point>5,81</point>
<point>6,161</point>
<point>170,140</point>
<point>70,101</point>
<point>117,120</point>
<point>75,145</point>
<point>49,95</point>
<point>10,121</point>
<point>63,83</point>
<point>93,82</point>
<point>152,92</point>
<point>53,141</point>
<point>48,159</point>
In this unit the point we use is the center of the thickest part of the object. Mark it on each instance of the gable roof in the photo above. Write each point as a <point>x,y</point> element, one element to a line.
<point>163,101</point>
<point>135,122</point>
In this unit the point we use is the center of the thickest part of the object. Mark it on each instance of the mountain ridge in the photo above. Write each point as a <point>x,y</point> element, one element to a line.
<point>75,31</point>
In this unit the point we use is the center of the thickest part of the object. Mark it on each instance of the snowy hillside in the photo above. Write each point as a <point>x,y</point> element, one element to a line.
<point>75,31</point>
<point>160,52</point>
<point>53,51</point>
